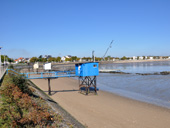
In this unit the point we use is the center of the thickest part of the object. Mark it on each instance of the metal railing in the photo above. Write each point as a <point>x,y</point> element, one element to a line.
<point>42,75</point>
<point>56,74</point>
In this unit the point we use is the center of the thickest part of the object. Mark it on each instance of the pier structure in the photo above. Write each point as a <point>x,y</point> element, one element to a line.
<point>86,73</point>
<point>44,75</point>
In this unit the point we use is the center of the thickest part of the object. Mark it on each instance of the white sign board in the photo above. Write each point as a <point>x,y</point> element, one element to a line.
<point>47,66</point>
<point>36,66</point>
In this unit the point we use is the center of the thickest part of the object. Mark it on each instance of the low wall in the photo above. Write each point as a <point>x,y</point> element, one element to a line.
<point>2,71</point>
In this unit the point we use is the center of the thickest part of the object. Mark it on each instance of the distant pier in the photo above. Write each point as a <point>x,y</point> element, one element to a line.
<point>108,70</point>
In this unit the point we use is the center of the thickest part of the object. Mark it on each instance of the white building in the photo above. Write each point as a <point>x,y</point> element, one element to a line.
<point>141,58</point>
<point>80,60</point>
<point>151,57</point>
<point>134,58</point>
<point>64,57</point>
<point>27,60</point>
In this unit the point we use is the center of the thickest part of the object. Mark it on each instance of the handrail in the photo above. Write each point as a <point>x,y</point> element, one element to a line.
<point>42,75</point>
<point>13,71</point>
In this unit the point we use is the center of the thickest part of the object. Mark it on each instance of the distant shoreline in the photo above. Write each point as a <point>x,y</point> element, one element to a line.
<point>133,61</point>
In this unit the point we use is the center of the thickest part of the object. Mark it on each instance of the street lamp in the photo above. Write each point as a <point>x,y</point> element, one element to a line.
<point>93,57</point>
<point>0,56</point>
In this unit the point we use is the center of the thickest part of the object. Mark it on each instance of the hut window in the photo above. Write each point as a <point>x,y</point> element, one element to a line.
<point>94,65</point>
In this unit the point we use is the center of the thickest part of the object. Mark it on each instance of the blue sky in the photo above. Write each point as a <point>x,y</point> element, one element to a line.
<point>76,27</point>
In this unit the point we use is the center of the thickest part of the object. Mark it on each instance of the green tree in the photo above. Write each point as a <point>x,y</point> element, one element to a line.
<point>34,59</point>
<point>68,59</point>
<point>10,60</point>
<point>123,58</point>
<point>77,59</point>
<point>74,58</point>
<point>87,58</point>
<point>2,58</point>
<point>40,58</point>
<point>6,58</point>
<point>52,59</point>
<point>44,60</point>
<point>58,59</point>
<point>98,58</point>
<point>117,58</point>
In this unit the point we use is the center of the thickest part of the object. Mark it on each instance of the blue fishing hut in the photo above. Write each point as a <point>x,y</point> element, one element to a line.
<point>87,69</point>
<point>87,73</point>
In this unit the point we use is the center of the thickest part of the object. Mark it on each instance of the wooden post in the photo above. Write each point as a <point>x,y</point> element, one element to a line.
<point>95,84</point>
<point>49,87</point>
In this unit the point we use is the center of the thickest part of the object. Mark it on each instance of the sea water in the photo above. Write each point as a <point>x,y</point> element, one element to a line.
<point>154,89</point>
<point>139,67</point>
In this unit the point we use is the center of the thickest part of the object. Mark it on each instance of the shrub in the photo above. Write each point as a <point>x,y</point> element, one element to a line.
<point>21,82</point>
<point>18,109</point>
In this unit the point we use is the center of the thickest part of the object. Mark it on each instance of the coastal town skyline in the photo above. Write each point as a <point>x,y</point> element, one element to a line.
<point>48,58</point>
<point>60,28</point>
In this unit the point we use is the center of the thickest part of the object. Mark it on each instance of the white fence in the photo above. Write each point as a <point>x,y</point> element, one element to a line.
<point>2,71</point>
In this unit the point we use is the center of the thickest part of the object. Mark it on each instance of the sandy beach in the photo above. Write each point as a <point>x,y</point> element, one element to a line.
<point>105,110</point>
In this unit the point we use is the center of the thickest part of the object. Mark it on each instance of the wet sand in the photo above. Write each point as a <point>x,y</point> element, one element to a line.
<point>105,110</point>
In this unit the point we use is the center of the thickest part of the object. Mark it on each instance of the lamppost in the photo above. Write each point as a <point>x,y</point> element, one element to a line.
<point>0,56</point>
<point>93,57</point>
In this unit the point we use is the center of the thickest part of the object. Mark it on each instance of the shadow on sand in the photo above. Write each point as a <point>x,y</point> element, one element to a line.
<point>54,92</point>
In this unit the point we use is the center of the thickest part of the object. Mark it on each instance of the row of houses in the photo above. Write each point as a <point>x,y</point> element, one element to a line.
<point>149,57</point>
<point>21,59</point>
<point>27,60</point>
<point>65,58</point>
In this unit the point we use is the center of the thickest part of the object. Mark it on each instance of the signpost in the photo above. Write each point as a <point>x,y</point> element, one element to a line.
<point>48,67</point>
<point>36,66</point>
